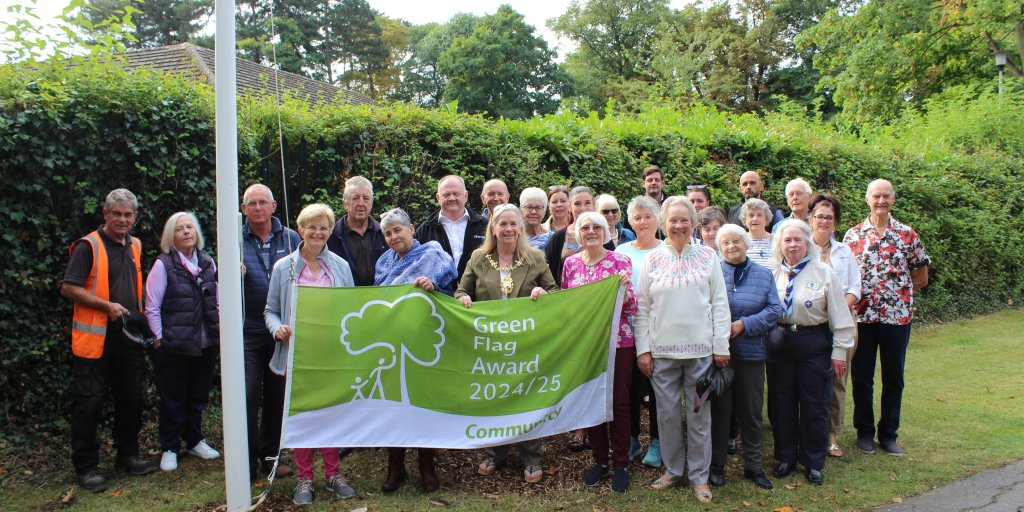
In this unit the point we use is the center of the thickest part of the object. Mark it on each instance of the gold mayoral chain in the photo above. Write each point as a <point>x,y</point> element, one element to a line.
<point>506,282</point>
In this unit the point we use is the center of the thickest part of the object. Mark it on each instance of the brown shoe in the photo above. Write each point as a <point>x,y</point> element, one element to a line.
<point>428,475</point>
<point>396,470</point>
<point>283,471</point>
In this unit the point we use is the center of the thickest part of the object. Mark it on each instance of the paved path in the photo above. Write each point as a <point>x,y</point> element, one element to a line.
<point>995,490</point>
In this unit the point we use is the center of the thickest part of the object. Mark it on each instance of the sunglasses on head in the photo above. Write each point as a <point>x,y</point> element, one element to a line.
<point>698,186</point>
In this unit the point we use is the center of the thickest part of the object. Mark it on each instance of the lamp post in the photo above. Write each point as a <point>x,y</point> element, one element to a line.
<point>1000,64</point>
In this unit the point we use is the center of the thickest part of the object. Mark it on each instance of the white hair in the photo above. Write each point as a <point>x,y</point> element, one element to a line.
<point>533,194</point>
<point>167,239</point>
<point>354,182</point>
<point>733,230</point>
<point>605,201</point>
<point>643,203</point>
<point>395,216</point>
<point>595,218</point>
<point>879,181</point>
<point>798,182</point>
<point>757,204</point>
<point>805,229</point>
<point>677,201</point>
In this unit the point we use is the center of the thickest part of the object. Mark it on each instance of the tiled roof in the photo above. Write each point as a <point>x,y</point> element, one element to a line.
<point>199,63</point>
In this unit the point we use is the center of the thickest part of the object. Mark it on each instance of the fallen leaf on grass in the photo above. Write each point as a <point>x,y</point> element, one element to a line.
<point>782,509</point>
<point>897,500</point>
<point>68,496</point>
<point>492,496</point>
<point>440,503</point>
<point>258,484</point>
<point>747,503</point>
<point>116,492</point>
<point>847,489</point>
<point>360,509</point>
<point>553,470</point>
<point>792,486</point>
<point>940,399</point>
<point>3,470</point>
<point>761,503</point>
<point>28,472</point>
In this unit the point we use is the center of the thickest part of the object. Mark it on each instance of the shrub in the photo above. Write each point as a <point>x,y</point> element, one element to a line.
<point>67,137</point>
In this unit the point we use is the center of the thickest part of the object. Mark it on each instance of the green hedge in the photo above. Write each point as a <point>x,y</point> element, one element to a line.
<point>67,138</point>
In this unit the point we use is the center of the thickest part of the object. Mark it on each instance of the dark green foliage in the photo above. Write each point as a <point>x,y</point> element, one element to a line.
<point>67,139</point>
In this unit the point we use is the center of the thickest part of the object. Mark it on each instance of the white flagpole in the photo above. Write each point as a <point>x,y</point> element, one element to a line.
<point>236,448</point>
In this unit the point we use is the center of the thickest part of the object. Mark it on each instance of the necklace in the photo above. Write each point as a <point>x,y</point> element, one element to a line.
<point>506,282</point>
<point>824,251</point>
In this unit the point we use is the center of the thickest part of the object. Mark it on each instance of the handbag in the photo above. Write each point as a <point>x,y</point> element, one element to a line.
<point>713,382</point>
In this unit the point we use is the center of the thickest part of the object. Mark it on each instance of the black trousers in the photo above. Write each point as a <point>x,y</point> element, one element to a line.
<point>800,387</point>
<point>183,383</point>
<point>263,389</point>
<point>121,369</point>
<point>742,401</point>
<point>641,387</point>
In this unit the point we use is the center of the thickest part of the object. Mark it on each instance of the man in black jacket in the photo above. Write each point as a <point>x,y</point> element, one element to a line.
<point>751,186</point>
<point>457,228</point>
<point>357,237</point>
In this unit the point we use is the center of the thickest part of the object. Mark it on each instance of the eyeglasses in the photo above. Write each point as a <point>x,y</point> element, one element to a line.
<point>533,208</point>
<point>696,186</point>
<point>261,203</point>
<point>824,218</point>
<point>563,188</point>
<point>610,211</point>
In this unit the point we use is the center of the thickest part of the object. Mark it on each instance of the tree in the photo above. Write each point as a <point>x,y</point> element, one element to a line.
<point>615,41</point>
<point>352,40</point>
<point>890,55</point>
<point>422,83</point>
<point>157,22</point>
<point>502,69</point>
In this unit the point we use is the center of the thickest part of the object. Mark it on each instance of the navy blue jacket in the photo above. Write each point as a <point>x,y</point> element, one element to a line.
<point>256,283</point>
<point>755,301</point>
<point>189,305</point>
<point>338,244</point>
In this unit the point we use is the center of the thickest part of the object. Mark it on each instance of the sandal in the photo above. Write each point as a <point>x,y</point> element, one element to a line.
<point>664,482</point>
<point>834,450</point>
<point>488,466</point>
<point>703,493</point>
<point>533,474</point>
<point>576,443</point>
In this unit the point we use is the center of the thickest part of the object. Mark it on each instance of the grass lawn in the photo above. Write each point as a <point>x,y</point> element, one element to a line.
<point>961,414</point>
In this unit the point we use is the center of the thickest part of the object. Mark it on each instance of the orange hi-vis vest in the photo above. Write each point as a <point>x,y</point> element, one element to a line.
<point>88,325</point>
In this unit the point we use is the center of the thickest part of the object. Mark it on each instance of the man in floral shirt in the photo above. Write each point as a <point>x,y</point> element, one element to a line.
<point>893,264</point>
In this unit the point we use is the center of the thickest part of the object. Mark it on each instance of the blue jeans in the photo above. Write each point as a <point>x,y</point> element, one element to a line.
<point>889,342</point>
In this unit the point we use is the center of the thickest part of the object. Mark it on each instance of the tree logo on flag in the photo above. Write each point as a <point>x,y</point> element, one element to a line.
<point>368,332</point>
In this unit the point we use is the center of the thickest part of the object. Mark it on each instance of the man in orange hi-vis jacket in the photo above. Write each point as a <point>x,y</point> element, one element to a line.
<point>104,281</point>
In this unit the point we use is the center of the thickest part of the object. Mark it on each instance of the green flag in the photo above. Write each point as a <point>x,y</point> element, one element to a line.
<point>397,366</point>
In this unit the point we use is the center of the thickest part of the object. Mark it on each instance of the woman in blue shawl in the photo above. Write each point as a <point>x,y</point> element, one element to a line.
<point>425,266</point>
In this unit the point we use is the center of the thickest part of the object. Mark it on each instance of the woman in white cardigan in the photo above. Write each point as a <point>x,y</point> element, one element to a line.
<point>681,328</point>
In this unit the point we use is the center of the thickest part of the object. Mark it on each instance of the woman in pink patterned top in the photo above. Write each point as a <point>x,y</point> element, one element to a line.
<point>594,263</point>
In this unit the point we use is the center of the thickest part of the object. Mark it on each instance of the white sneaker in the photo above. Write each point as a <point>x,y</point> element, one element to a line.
<point>203,451</point>
<point>169,462</point>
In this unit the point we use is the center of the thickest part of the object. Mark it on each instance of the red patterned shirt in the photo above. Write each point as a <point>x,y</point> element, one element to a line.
<point>887,290</point>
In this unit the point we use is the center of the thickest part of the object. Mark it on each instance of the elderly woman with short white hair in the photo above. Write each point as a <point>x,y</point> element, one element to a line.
<point>608,206</point>
<point>681,328</point>
<point>594,263</point>
<point>815,332</point>
<point>755,309</point>
<point>534,204</point>
<point>756,215</point>
<point>183,312</point>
